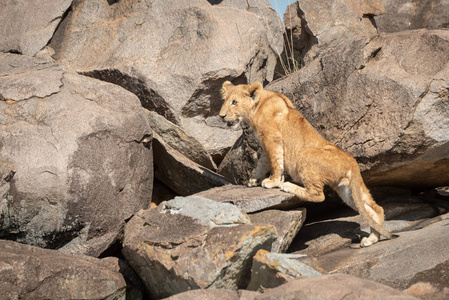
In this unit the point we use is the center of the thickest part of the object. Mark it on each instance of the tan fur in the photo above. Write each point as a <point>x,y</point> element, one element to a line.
<point>293,146</point>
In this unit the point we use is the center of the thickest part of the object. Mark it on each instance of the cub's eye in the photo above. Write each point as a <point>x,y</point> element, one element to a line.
<point>234,102</point>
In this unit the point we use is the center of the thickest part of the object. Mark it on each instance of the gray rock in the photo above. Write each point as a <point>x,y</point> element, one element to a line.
<point>333,287</point>
<point>174,64</point>
<point>270,270</point>
<point>29,272</point>
<point>179,173</point>
<point>420,255</point>
<point>77,146</point>
<point>402,15</point>
<point>206,212</point>
<point>287,225</point>
<point>385,102</point>
<point>251,199</point>
<point>27,26</point>
<point>174,252</point>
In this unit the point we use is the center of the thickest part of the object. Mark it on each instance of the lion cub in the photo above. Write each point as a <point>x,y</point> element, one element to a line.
<point>293,146</point>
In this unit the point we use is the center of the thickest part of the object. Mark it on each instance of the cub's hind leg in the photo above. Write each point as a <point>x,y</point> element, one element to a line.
<point>374,211</point>
<point>377,213</point>
<point>309,193</point>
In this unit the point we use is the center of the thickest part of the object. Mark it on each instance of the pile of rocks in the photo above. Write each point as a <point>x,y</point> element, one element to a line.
<point>108,108</point>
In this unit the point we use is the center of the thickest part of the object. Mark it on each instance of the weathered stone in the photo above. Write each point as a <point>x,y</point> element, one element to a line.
<point>404,15</point>
<point>175,137</point>
<point>385,102</point>
<point>270,270</point>
<point>78,147</point>
<point>179,173</point>
<point>251,199</point>
<point>317,26</point>
<point>174,64</point>
<point>333,287</point>
<point>188,243</point>
<point>27,26</point>
<point>419,255</point>
<point>287,225</point>
<point>28,272</point>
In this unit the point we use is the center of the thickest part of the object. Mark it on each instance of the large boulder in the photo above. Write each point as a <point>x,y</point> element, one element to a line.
<point>28,272</point>
<point>192,243</point>
<point>404,15</point>
<point>385,102</point>
<point>80,151</point>
<point>175,64</point>
<point>314,27</point>
<point>28,26</point>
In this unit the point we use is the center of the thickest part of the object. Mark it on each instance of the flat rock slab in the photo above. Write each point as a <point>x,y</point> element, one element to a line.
<point>418,255</point>
<point>251,199</point>
<point>28,272</point>
<point>287,225</point>
<point>192,243</point>
<point>333,287</point>
<point>270,270</point>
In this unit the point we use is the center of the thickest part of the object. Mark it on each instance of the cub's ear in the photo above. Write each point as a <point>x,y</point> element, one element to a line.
<point>225,87</point>
<point>253,88</point>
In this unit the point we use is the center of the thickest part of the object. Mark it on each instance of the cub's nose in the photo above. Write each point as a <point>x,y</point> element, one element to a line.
<point>223,116</point>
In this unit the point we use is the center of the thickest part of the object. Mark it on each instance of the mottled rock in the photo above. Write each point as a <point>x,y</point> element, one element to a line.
<point>79,149</point>
<point>251,199</point>
<point>385,102</point>
<point>287,225</point>
<point>404,15</point>
<point>28,272</point>
<point>270,270</point>
<point>28,26</point>
<point>333,287</point>
<point>192,243</point>
<point>181,174</point>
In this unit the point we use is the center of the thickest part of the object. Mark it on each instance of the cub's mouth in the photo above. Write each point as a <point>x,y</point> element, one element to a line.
<point>233,123</point>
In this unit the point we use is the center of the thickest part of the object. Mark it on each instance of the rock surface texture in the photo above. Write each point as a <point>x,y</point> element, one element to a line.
<point>402,15</point>
<point>29,272</point>
<point>77,146</point>
<point>191,243</point>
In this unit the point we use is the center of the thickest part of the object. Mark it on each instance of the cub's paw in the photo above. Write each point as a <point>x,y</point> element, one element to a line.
<point>269,183</point>
<point>368,241</point>
<point>253,182</point>
<point>288,187</point>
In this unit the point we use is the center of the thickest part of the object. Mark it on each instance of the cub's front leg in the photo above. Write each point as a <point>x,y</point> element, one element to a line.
<point>263,167</point>
<point>275,152</point>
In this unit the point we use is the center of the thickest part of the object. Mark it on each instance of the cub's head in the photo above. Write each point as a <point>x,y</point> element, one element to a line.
<point>239,101</point>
